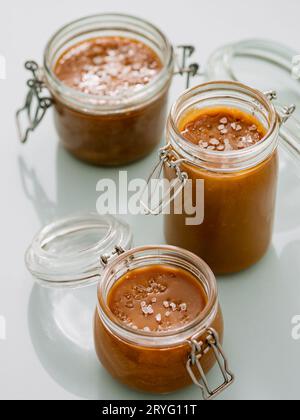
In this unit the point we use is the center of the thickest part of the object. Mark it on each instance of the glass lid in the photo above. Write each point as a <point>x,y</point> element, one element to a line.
<point>262,64</point>
<point>67,253</point>
<point>266,66</point>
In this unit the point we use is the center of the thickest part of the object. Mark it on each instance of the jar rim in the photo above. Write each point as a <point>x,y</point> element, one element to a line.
<point>246,157</point>
<point>118,102</point>
<point>167,338</point>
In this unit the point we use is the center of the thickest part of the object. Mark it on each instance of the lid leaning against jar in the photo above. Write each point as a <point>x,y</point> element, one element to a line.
<point>68,252</point>
<point>264,65</point>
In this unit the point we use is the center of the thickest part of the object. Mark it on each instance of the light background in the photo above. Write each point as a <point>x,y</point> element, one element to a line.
<point>48,352</point>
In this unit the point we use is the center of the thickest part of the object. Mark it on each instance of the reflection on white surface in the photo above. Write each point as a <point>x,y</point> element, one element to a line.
<point>73,319</point>
<point>61,329</point>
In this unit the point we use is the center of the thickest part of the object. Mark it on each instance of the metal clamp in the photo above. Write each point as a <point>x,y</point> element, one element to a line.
<point>168,158</point>
<point>284,112</point>
<point>271,95</point>
<point>36,104</point>
<point>287,113</point>
<point>104,259</point>
<point>182,67</point>
<point>199,350</point>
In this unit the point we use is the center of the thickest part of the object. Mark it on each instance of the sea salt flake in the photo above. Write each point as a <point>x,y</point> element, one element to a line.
<point>147,310</point>
<point>221,127</point>
<point>168,313</point>
<point>239,128</point>
<point>150,310</point>
<point>158,317</point>
<point>154,300</point>
<point>225,131</point>
<point>253,128</point>
<point>183,307</point>
<point>173,306</point>
<point>214,142</point>
<point>224,120</point>
<point>233,126</point>
<point>147,329</point>
<point>166,304</point>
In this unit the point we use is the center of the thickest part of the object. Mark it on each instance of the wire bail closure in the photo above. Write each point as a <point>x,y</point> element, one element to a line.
<point>36,104</point>
<point>199,349</point>
<point>104,259</point>
<point>167,157</point>
<point>181,59</point>
<point>284,112</point>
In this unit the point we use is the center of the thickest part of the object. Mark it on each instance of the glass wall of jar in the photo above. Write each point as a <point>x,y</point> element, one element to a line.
<point>161,361</point>
<point>239,185</point>
<point>104,127</point>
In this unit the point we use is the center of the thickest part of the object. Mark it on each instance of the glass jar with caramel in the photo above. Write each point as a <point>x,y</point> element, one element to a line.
<point>108,78</point>
<point>225,134</point>
<point>158,326</point>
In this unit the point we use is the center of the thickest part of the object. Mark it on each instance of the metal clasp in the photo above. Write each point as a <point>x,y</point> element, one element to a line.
<point>182,67</point>
<point>199,349</point>
<point>36,104</point>
<point>169,158</point>
<point>284,112</point>
<point>104,259</point>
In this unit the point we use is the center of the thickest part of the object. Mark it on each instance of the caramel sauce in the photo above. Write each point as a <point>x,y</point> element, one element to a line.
<point>157,298</point>
<point>108,66</point>
<point>239,207</point>
<point>222,129</point>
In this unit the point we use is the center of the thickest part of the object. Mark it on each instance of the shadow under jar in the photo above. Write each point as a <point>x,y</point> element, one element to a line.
<point>109,77</point>
<point>138,336</point>
<point>239,183</point>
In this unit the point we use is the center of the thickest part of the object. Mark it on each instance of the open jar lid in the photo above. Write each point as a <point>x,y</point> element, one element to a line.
<point>67,253</point>
<point>266,66</point>
<point>261,64</point>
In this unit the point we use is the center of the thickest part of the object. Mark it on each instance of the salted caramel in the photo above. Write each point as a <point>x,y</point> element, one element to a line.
<point>239,206</point>
<point>108,66</point>
<point>157,298</point>
<point>123,122</point>
<point>160,302</point>
<point>222,129</point>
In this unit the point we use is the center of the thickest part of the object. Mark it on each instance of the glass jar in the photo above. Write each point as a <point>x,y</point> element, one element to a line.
<point>84,250</point>
<point>101,130</point>
<point>239,186</point>
<point>160,362</point>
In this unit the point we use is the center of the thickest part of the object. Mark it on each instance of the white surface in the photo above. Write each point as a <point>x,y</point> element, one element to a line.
<point>48,352</point>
